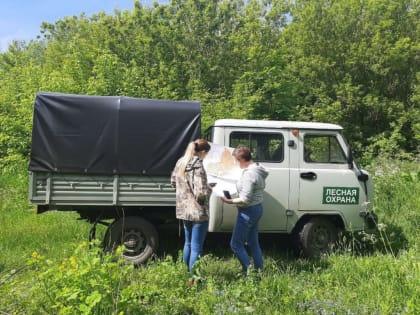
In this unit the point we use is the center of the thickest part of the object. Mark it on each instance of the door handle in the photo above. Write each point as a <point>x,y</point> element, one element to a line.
<point>308,175</point>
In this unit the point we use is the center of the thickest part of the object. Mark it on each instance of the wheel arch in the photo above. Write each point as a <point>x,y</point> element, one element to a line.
<point>335,218</point>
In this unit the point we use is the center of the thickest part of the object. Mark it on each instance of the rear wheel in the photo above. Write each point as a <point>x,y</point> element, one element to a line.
<point>138,236</point>
<point>316,237</point>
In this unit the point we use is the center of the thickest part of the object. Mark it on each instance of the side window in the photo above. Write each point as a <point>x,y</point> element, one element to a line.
<point>322,149</point>
<point>208,134</point>
<point>265,147</point>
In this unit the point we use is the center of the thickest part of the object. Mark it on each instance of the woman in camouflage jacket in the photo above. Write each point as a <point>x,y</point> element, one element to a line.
<point>192,199</point>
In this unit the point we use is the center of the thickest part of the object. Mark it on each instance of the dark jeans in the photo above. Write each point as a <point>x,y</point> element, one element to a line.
<point>195,234</point>
<point>246,231</point>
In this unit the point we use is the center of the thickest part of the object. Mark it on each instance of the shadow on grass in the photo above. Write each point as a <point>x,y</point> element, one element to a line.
<point>386,239</point>
<point>278,250</point>
<point>218,244</point>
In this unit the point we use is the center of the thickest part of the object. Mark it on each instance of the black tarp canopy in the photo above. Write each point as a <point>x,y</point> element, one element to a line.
<point>110,134</point>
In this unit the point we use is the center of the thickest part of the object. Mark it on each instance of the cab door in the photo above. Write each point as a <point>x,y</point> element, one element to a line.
<point>326,183</point>
<point>269,148</point>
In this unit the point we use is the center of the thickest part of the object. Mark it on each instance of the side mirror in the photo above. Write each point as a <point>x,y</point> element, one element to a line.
<point>363,176</point>
<point>349,157</point>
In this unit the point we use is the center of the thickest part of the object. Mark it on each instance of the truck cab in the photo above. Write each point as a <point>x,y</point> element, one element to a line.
<point>314,189</point>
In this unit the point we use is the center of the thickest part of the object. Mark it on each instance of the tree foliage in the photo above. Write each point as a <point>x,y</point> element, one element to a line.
<point>349,62</point>
<point>357,64</point>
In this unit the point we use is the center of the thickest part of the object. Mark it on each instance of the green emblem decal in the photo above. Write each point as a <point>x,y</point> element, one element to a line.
<point>340,195</point>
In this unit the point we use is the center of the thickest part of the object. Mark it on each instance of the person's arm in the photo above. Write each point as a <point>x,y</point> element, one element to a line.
<point>202,188</point>
<point>245,194</point>
<point>234,201</point>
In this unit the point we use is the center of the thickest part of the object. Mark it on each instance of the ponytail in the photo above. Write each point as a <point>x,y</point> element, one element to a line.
<point>188,155</point>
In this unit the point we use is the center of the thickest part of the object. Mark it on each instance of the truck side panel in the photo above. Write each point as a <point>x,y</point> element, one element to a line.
<point>59,190</point>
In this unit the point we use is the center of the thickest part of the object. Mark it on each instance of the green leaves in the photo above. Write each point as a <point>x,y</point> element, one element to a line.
<point>91,301</point>
<point>86,281</point>
<point>355,63</point>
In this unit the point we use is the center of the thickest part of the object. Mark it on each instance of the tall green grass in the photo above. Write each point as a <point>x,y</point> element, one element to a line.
<point>22,231</point>
<point>397,201</point>
<point>46,266</point>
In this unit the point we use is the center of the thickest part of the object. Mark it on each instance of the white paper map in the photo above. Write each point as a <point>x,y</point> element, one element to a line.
<point>222,169</point>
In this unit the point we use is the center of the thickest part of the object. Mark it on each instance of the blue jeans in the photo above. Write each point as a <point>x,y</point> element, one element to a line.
<point>246,231</point>
<point>195,234</point>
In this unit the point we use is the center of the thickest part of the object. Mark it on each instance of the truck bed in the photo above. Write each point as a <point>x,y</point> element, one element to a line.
<point>58,191</point>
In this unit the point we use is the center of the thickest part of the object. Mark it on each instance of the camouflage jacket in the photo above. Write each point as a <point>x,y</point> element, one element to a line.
<point>192,192</point>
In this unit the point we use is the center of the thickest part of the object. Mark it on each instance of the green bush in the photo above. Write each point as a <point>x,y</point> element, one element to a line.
<point>85,283</point>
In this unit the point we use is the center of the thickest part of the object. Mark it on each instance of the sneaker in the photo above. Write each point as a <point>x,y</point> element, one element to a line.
<point>253,275</point>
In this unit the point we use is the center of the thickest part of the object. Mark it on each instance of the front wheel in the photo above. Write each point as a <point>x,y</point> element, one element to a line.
<point>316,237</point>
<point>138,236</point>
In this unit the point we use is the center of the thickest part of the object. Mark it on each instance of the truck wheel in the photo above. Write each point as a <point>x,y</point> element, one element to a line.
<point>138,236</point>
<point>317,236</point>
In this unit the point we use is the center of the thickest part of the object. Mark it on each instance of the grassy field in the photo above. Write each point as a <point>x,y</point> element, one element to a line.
<point>47,267</point>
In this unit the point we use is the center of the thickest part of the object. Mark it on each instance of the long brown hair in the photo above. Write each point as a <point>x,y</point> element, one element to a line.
<point>192,149</point>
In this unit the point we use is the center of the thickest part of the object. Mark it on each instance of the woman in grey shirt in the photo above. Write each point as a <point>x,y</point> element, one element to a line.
<point>250,189</point>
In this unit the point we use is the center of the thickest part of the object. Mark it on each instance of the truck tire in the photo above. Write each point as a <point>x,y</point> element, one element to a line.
<point>316,237</point>
<point>138,236</point>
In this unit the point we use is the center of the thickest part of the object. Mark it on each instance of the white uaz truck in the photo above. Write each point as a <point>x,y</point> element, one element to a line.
<point>109,158</point>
